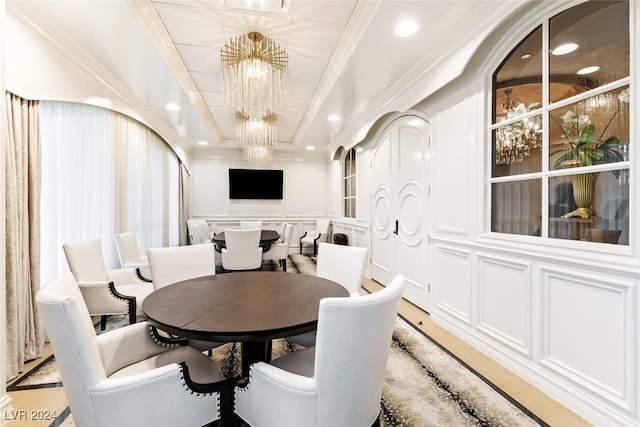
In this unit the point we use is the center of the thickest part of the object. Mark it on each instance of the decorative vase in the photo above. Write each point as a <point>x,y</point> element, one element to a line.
<point>583,188</point>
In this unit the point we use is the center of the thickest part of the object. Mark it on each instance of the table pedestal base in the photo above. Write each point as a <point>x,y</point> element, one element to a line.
<point>254,351</point>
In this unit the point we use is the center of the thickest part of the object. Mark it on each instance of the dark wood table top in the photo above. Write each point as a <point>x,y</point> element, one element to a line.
<point>242,306</point>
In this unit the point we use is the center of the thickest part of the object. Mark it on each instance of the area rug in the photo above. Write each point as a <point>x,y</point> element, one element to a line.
<point>424,384</point>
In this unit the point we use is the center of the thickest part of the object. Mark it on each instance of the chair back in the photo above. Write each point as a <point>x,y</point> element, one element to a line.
<point>287,234</point>
<point>86,261</point>
<point>127,248</point>
<point>245,225</point>
<point>322,226</point>
<point>175,264</point>
<point>202,234</point>
<point>243,251</point>
<point>74,342</point>
<point>352,347</point>
<point>342,264</point>
<point>192,225</point>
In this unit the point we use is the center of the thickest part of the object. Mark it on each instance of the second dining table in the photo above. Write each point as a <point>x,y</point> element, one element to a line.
<point>252,308</point>
<point>267,238</point>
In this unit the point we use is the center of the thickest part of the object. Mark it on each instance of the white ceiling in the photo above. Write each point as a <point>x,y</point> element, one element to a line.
<point>343,58</point>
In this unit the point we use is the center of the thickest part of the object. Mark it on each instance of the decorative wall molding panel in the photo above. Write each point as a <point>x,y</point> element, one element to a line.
<point>504,301</point>
<point>454,283</point>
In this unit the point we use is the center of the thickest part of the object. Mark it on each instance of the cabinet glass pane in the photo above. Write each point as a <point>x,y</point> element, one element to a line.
<point>589,132</point>
<point>517,147</point>
<point>516,207</point>
<point>517,82</point>
<point>589,46</point>
<point>599,213</point>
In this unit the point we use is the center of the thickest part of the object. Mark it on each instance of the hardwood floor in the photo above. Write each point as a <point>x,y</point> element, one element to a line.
<point>40,406</point>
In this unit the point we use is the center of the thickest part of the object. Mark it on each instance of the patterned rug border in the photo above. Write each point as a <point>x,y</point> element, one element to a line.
<point>487,381</point>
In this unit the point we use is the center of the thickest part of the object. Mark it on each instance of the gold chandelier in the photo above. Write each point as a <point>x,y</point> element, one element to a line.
<point>516,141</point>
<point>254,74</point>
<point>257,137</point>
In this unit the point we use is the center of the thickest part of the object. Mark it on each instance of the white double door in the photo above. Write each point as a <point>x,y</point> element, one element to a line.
<point>400,207</point>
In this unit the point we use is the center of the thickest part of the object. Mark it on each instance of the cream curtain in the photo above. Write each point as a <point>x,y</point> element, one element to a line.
<point>147,185</point>
<point>25,334</point>
<point>103,173</point>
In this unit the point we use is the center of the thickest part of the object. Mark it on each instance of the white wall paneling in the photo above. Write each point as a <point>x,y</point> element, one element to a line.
<point>590,343</point>
<point>454,283</point>
<point>504,301</point>
<point>305,191</point>
<point>451,204</point>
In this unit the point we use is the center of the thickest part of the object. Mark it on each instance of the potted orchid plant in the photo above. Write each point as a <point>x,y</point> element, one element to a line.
<point>584,148</point>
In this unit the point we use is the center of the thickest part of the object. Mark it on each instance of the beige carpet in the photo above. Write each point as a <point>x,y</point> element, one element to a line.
<point>424,385</point>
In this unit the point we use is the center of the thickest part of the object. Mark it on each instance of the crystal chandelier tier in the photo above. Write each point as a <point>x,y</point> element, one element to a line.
<point>257,137</point>
<point>517,140</point>
<point>254,74</point>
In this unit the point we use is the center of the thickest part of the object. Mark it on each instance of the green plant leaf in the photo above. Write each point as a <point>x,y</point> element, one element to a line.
<point>587,133</point>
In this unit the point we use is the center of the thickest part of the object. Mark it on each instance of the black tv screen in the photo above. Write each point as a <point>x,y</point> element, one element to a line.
<point>255,184</point>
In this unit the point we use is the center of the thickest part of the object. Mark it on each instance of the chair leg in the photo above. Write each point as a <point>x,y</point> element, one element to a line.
<point>283,263</point>
<point>103,322</point>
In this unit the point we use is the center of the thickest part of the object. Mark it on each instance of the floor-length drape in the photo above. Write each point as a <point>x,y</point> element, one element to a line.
<point>103,173</point>
<point>25,334</point>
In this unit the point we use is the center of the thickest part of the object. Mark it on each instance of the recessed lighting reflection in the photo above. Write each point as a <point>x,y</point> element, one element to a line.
<point>588,70</point>
<point>525,56</point>
<point>333,118</point>
<point>406,28</point>
<point>310,147</point>
<point>564,49</point>
<point>203,143</point>
<point>172,107</point>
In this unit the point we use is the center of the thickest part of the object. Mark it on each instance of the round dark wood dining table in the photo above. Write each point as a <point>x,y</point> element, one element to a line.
<point>248,307</point>
<point>267,238</point>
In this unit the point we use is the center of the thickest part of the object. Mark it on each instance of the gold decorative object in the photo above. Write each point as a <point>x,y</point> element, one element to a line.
<point>257,137</point>
<point>255,76</point>
<point>583,189</point>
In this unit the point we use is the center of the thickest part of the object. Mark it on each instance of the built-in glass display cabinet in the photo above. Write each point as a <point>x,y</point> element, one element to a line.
<point>560,129</point>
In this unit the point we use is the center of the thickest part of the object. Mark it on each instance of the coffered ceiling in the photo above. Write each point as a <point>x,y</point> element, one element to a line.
<point>344,59</point>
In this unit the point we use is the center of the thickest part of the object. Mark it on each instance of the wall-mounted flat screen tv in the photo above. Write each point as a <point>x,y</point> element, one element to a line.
<point>255,184</point>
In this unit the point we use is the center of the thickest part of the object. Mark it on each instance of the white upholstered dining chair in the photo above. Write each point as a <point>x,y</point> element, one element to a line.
<point>313,237</point>
<point>339,381</point>
<point>177,263</point>
<point>342,264</point>
<point>242,249</point>
<point>125,377</point>
<point>106,292</point>
<point>280,251</point>
<point>129,254</point>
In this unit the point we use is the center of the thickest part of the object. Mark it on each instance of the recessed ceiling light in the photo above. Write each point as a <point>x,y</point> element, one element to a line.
<point>173,107</point>
<point>525,56</point>
<point>203,143</point>
<point>333,118</point>
<point>310,147</point>
<point>406,28</point>
<point>563,49</point>
<point>588,70</point>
